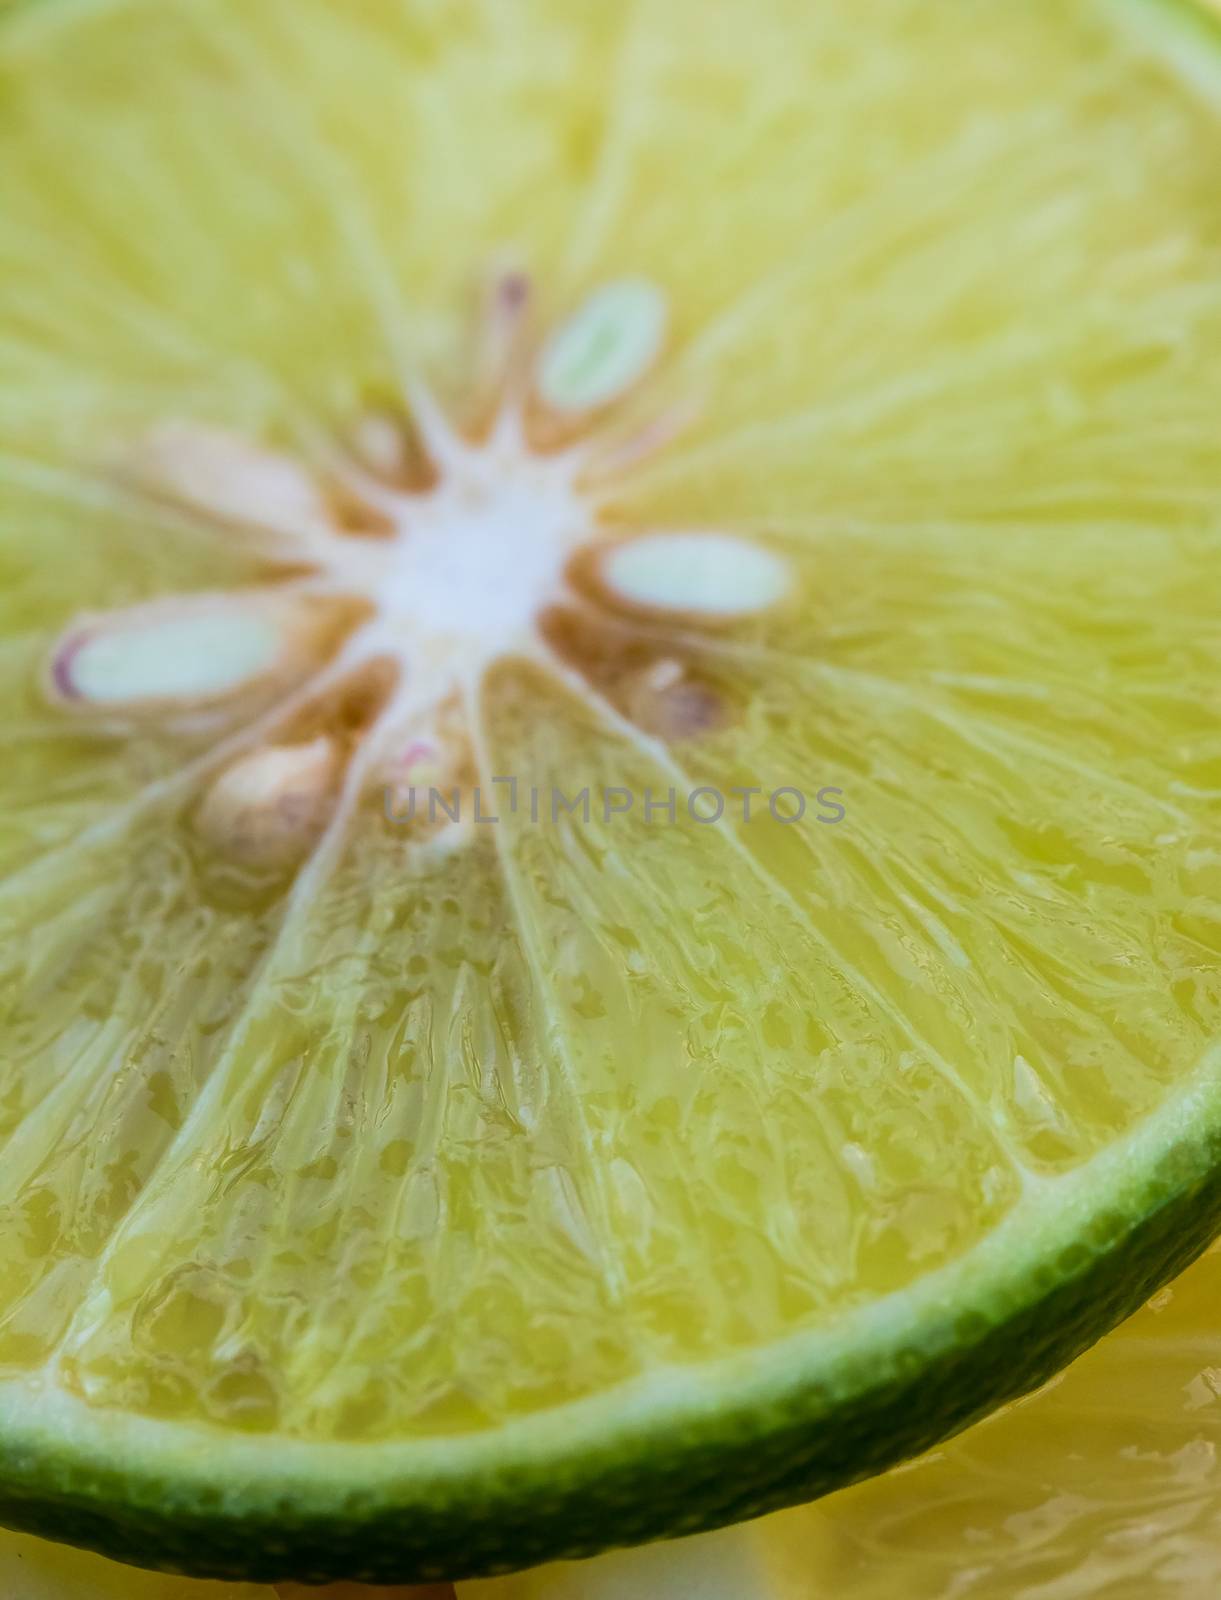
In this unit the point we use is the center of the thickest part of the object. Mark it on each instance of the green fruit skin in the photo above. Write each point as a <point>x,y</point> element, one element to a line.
<point>740,1461</point>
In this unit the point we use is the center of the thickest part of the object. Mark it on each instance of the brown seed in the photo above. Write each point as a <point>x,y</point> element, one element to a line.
<point>269,806</point>
<point>667,701</point>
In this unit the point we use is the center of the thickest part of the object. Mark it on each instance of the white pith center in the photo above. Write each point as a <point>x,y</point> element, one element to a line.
<point>450,578</point>
<point>469,566</point>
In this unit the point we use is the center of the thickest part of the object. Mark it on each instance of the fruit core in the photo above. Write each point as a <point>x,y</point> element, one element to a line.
<point>400,566</point>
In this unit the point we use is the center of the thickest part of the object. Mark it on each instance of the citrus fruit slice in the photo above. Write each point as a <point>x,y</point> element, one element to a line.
<point>1105,1483</point>
<point>611,888</point>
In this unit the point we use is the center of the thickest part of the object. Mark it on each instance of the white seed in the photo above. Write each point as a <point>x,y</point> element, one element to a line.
<point>188,651</point>
<point>224,475</point>
<point>700,574</point>
<point>607,344</point>
<point>268,807</point>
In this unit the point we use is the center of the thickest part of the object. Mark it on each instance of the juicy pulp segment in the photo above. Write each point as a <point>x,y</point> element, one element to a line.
<point>415,1143</point>
<point>1105,1477</point>
<point>1104,1482</point>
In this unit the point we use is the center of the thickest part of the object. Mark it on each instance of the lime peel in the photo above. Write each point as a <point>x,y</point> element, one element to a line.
<point>760,1431</point>
<point>416,1203</point>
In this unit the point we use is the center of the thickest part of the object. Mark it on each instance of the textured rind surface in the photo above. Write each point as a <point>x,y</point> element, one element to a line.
<point>825,1430</point>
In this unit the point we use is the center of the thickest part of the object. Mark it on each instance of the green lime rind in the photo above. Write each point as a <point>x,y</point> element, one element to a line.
<point>685,1450</point>
<point>682,1452</point>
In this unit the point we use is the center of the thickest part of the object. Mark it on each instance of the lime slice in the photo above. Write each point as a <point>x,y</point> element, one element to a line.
<point>1103,1483</point>
<point>507,1050</point>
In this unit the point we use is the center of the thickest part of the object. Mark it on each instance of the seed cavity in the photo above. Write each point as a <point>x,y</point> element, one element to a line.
<point>226,477</point>
<point>269,807</point>
<point>708,575</point>
<point>422,763</point>
<point>427,785</point>
<point>404,558</point>
<point>667,700</point>
<point>380,443</point>
<point>604,348</point>
<point>504,321</point>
